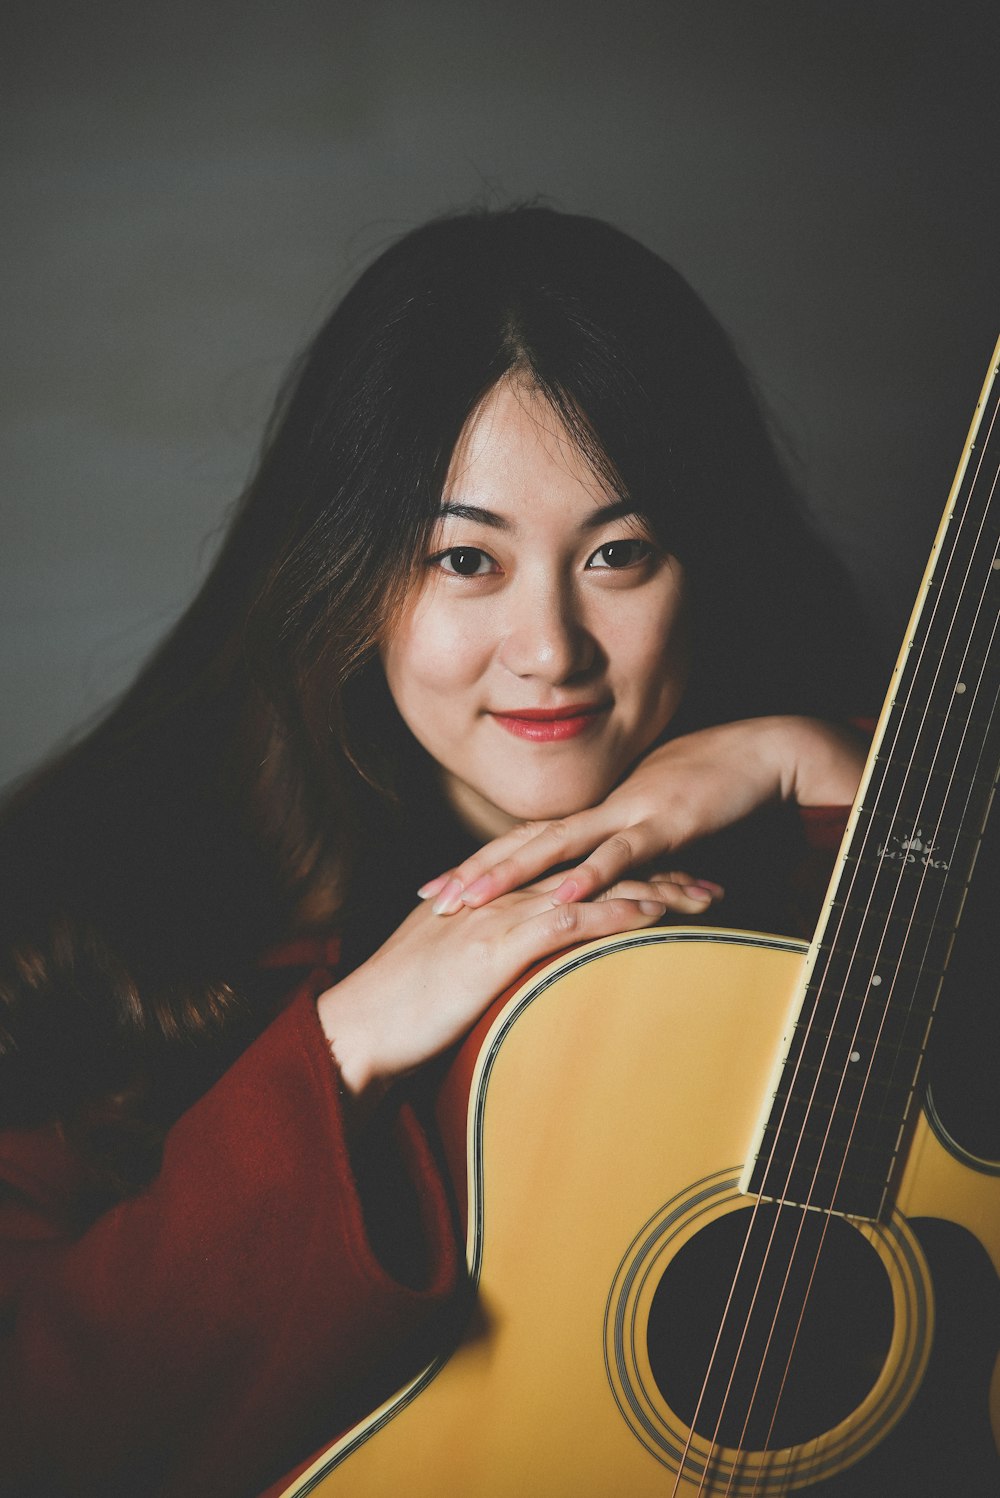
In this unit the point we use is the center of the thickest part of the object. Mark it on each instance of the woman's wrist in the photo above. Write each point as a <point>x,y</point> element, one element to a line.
<point>349,1044</point>
<point>820,763</point>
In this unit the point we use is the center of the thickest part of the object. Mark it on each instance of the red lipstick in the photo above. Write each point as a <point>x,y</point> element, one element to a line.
<point>544,725</point>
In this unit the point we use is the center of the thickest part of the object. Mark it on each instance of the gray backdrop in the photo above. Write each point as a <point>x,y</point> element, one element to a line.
<point>186,187</point>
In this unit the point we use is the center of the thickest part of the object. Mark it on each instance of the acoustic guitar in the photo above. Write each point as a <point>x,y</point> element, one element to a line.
<point>720,1239</point>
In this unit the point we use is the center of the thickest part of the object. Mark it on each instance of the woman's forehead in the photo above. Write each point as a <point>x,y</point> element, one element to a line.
<point>515,444</point>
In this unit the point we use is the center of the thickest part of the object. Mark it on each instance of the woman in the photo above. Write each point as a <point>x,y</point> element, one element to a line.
<point>518,567</point>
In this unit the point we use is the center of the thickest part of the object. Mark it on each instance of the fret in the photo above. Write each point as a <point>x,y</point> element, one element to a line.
<point>895,1037</point>
<point>975,659</point>
<point>842,1005</point>
<point>852,1193</point>
<point>843,1189</point>
<point>979,577</point>
<point>879,1092</point>
<point>824,1065</point>
<point>865,1099</point>
<point>843,1145</point>
<point>888,954</point>
<point>956,740</point>
<point>914,896</point>
<point>883,823</point>
<point>963,571</point>
<point>898,1032</point>
<point>820,1184</point>
<point>829,1145</point>
<point>892,949</point>
<point>955,645</point>
<point>800,1115</point>
<point>844,966</point>
<point>889,992</point>
<point>961,739</point>
<point>957,708</point>
<point>961,603</point>
<point>891,826</point>
<point>927,792</point>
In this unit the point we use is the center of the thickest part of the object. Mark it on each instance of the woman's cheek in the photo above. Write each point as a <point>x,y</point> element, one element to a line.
<point>432,660</point>
<point>668,654</point>
<point>448,654</point>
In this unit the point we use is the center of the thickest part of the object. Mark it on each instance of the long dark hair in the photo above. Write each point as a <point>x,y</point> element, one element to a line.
<point>235,784</point>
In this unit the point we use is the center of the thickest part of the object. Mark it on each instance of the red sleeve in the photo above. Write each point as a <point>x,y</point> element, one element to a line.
<point>823,827</point>
<point>189,1340</point>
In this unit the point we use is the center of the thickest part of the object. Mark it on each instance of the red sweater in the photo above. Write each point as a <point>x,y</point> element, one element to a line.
<point>204,1336</point>
<point>181,1344</point>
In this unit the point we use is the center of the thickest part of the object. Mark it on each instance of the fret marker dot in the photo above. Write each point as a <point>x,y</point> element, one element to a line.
<point>960,687</point>
<point>876,981</point>
<point>996,565</point>
<point>855,1055</point>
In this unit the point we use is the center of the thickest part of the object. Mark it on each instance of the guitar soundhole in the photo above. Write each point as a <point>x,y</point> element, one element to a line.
<point>805,1350</point>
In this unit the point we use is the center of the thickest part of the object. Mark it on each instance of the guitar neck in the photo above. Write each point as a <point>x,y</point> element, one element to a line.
<point>848,1077</point>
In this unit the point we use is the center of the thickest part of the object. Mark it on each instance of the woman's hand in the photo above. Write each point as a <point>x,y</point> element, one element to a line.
<point>686,789</point>
<point>432,979</point>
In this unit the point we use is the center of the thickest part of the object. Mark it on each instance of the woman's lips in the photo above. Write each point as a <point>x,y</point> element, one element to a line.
<point>544,725</point>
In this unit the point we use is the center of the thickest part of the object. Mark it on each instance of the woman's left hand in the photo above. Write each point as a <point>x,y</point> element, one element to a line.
<point>686,789</point>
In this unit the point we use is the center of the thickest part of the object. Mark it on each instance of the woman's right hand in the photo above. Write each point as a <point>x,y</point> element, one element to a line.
<point>434,977</point>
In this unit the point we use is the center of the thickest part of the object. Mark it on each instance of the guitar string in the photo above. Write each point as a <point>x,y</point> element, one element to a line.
<point>760,1276</point>
<point>977,547</point>
<point>750,1227</point>
<point>989,724</point>
<point>727,1307</point>
<point>960,823</point>
<point>900,876</point>
<point>921,814</point>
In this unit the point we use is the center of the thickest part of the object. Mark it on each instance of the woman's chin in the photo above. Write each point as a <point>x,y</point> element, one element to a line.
<point>489,813</point>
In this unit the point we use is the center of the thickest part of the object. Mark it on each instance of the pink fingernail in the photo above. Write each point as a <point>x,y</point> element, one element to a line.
<point>567,891</point>
<point>697,892</point>
<point>652,907</point>
<point>432,886</point>
<point>449,900</point>
<point>478,890</point>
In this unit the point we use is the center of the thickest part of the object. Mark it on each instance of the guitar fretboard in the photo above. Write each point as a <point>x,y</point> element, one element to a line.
<point>851,1068</point>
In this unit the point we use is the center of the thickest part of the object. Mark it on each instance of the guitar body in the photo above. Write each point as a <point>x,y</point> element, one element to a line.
<point>613,1100</point>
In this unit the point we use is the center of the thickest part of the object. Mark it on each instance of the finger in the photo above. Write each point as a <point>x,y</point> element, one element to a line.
<point>527,852</point>
<point>688,881</point>
<point>558,926</point>
<point>678,892</point>
<point>445,890</point>
<point>660,885</point>
<point>607,863</point>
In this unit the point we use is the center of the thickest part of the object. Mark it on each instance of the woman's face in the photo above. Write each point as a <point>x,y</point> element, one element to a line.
<point>542,648</point>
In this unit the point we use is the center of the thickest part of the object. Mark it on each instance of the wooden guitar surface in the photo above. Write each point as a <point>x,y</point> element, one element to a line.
<point>612,1106</point>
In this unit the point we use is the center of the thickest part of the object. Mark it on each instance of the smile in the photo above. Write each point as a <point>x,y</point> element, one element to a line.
<point>546,725</point>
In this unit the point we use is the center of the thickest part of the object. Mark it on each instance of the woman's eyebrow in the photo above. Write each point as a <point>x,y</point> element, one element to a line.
<point>617,510</point>
<point>473,512</point>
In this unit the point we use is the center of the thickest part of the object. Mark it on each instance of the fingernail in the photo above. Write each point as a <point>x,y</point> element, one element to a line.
<point>432,886</point>
<point>449,900</point>
<point>652,907</point>
<point>478,890</point>
<point>698,892</point>
<point>567,891</point>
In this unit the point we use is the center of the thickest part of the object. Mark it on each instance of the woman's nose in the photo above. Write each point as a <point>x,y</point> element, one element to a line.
<point>546,637</point>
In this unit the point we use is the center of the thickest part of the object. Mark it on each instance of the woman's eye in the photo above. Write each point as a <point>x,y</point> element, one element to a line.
<point>465,561</point>
<point>625,553</point>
